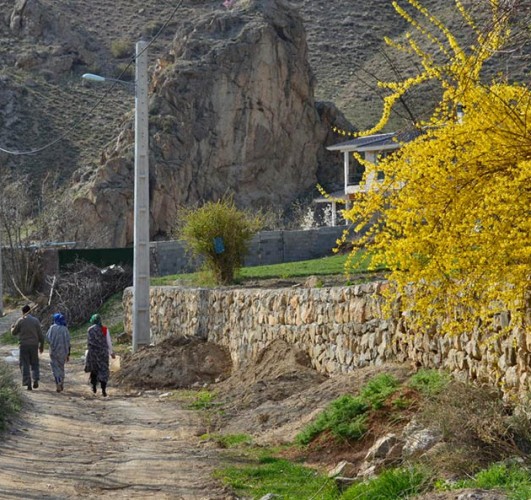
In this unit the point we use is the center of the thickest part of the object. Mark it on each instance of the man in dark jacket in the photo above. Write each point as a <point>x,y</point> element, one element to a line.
<point>31,340</point>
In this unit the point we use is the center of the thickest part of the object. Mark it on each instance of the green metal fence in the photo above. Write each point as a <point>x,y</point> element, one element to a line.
<point>101,257</point>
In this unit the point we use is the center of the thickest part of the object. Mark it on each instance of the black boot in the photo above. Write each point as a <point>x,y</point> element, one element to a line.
<point>103,389</point>
<point>93,381</point>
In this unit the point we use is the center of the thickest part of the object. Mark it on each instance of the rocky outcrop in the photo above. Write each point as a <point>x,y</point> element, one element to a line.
<point>58,46</point>
<point>232,111</point>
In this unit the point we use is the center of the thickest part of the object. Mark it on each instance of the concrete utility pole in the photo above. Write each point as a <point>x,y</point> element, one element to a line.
<point>1,279</point>
<point>141,271</point>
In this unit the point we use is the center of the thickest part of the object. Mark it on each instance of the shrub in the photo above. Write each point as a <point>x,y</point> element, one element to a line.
<point>378,389</point>
<point>10,397</point>
<point>344,418</point>
<point>515,480</point>
<point>219,233</point>
<point>121,48</point>
<point>476,426</point>
<point>429,382</point>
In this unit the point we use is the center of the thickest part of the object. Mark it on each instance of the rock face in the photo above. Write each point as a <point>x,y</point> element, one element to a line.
<point>232,111</point>
<point>58,47</point>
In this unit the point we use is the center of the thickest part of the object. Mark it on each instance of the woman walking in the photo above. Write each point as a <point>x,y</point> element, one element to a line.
<point>99,348</point>
<point>58,337</point>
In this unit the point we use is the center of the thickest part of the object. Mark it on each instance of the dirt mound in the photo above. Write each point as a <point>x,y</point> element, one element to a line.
<point>279,371</point>
<point>276,407</point>
<point>176,363</point>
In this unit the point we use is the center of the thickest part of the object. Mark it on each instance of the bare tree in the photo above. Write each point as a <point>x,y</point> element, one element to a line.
<point>20,260</point>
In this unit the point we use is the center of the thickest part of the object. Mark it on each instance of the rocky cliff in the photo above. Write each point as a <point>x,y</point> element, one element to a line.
<point>232,110</point>
<point>232,101</point>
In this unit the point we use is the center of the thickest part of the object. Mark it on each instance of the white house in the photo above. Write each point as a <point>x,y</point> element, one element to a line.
<point>371,148</point>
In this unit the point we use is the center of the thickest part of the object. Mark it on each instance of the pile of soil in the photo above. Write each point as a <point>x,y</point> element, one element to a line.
<point>279,371</point>
<point>271,397</point>
<point>275,396</point>
<point>176,362</point>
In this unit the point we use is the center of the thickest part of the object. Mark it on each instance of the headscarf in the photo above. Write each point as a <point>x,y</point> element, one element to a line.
<point>95,319</point>
<point>59,319</point>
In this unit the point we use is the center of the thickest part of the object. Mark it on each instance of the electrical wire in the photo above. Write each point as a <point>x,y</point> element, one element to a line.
<point>88,113</point>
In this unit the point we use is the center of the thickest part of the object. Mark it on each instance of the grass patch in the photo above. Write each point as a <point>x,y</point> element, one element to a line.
<point>514,480</point>
<point>229,440</point>
<point>346,416</point>
<point>203,400</point>
<point>343,417</point>
<point>429,382</point>
<point>334,264</point>
<point>378,389</point>
<point>281,478</point>
<point>10,396</point>
<point>391,484</point>
<point>7,339</point>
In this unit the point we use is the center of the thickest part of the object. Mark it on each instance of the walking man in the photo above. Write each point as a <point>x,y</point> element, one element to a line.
<point>31,340</point>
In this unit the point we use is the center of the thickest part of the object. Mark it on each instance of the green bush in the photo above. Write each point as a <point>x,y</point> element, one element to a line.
<point>378,389</point>
<point>10,397</point>
<point>219,233</point>
<point>344,418</point>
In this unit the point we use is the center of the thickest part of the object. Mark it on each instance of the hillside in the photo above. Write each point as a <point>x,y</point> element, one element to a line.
<point>44,100</point>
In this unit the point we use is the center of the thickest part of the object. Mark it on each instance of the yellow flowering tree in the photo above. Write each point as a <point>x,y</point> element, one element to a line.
<point>450,219</point>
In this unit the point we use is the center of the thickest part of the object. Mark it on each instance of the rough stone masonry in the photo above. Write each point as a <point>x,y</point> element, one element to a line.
<point>341,329</point>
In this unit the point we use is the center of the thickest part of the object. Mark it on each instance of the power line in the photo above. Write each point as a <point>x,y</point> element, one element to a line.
<point>85,115</point>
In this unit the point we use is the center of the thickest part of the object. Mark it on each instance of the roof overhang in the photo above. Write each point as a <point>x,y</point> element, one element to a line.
<point>376,142</point>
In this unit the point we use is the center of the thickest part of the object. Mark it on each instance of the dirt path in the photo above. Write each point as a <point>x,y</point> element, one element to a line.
<point>76,444</point>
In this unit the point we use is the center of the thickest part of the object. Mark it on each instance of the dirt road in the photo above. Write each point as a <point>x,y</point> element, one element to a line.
<point>76,444</point>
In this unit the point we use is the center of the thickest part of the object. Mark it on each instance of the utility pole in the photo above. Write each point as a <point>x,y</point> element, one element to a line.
<point>141,271</point>
<point>1,279</point>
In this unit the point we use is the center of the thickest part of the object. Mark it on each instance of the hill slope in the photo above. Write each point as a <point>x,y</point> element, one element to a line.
<point>48,44</point>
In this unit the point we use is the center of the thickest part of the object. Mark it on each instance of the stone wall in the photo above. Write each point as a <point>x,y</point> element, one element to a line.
<point>340,328</point>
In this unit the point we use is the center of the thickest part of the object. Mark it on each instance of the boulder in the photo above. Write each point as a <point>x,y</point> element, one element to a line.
<point>418,439</point>
<point>343,469</point>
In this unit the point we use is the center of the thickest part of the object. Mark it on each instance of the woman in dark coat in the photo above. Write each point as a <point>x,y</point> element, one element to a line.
<point>99,348</point>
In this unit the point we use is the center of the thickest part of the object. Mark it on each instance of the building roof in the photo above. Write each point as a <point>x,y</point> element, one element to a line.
<point>335,196</point>
<point>376,142</point>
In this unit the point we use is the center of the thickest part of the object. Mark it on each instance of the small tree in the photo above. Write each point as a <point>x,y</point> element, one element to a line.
<point>219,233</point>
<point>21,262</point>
